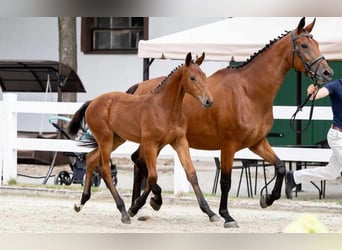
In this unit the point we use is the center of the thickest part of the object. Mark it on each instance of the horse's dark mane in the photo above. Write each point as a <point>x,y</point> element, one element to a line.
<point>266,47</point>
<point>164,81</point>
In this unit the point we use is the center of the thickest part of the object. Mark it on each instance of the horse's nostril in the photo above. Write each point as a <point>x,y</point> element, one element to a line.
<point>328,73</point>
<point>208,103</point>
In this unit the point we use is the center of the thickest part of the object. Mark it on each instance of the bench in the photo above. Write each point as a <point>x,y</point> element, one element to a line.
<point>301,155</point>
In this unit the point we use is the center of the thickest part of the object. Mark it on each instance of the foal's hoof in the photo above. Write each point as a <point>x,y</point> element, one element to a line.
<point>214,218</point>
<point>77,207</point>
<point>154,204</point>
<point>130,213</point>
<point>230,224</point>
<point>125,219</point>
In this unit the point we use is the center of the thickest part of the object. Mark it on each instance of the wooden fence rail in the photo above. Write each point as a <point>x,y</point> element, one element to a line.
<point>10,143</point>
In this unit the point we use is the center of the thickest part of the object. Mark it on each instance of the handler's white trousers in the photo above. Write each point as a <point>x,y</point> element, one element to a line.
<point>330,171</point>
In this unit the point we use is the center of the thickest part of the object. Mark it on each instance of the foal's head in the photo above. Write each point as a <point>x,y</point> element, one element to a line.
<point>194,81</point>
<point>306,54</point>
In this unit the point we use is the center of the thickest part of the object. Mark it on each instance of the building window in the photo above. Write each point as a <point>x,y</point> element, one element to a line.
<point>101,35</point>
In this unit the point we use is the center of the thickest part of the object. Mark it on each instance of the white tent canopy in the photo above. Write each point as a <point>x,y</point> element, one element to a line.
<point>239,37</point>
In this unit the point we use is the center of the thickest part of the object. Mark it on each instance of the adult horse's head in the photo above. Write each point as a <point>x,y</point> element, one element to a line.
<point>195,81</point>
<point>307,57</point>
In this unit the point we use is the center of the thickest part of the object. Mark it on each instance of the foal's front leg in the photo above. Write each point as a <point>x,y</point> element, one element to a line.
<point>182,148</point>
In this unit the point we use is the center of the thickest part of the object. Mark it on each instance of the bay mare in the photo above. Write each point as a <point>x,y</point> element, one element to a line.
<point>241,116</point>
<point>153,120</point>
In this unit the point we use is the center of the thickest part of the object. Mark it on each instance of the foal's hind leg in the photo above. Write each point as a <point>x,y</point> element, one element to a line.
<point>140,171</point>
<point>182,149</point>
<point>104,168</point>
<point>264,150</point>
<point>91,161</point>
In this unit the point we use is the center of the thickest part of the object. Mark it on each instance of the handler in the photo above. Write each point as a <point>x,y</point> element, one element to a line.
<point>333,169</point>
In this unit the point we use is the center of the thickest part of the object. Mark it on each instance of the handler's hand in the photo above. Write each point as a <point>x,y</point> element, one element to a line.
<point>311,89</point>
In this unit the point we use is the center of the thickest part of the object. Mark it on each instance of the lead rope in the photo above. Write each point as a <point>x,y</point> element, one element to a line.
<point>300,108</point>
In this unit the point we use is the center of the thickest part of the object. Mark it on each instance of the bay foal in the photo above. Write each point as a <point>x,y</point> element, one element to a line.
<point>153,120</point>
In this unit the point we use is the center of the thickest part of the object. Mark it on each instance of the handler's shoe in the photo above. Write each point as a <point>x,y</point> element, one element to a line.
<point>289,184</point>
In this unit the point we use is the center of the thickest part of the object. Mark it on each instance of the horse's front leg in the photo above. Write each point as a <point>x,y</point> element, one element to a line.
<point>264,150</point>
<point>150,156</point>
<point>225,182</point>
<point>182,148</point>
<point>92,159</point>
<point>140,172</point>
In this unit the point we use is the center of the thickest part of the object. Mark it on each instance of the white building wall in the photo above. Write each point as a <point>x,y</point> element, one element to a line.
<point>36,38</point>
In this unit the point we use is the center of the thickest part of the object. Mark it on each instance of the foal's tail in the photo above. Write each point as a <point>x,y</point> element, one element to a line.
<point>76,122</point>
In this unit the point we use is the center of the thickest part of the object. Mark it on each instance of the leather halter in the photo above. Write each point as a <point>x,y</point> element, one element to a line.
<point>308,71</point>
<point>312,74</point>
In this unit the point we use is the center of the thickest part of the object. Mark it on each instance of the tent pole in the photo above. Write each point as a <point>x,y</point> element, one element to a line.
<point>146,65</point>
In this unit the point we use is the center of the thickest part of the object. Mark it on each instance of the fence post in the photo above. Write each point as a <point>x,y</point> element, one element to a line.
<point>181,184</point>
<point>9,170</point>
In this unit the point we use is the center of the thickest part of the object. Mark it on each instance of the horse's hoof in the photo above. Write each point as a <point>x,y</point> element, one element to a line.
<point>263,201</point>
<point>130,213</point>
<point>214,218</point>
<point>230,224</point>
<point>154,204</point>
<point>125,219</point>
<point>77,208</point>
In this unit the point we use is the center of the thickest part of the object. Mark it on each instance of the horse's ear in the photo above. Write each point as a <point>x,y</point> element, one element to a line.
<point>309,27</point>
<point>200,59</point>
<point>301,25</point>
<point>188,59</point>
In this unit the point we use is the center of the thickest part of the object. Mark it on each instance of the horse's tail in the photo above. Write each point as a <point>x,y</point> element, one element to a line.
<point>76,122</point>
<point>132,89</point>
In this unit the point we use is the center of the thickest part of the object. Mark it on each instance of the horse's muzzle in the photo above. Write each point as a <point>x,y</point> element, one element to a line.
<point>323,76</point>
<point>207,103</point>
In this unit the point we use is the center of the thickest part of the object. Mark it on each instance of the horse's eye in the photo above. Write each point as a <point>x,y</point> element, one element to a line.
<point>192,78</point>
<point>304,46</point>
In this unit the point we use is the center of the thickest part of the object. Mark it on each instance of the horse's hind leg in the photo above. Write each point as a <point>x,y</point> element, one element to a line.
<point>140,171</point>
<point>182,149</point>
<point>264,150</point>
<point>91,161</point>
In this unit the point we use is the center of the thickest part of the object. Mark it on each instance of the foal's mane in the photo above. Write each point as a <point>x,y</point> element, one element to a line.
<point>266,47</point>
<point>165,80</point>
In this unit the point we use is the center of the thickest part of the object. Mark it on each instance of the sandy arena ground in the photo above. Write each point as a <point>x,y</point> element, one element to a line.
<point>29,207</point>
